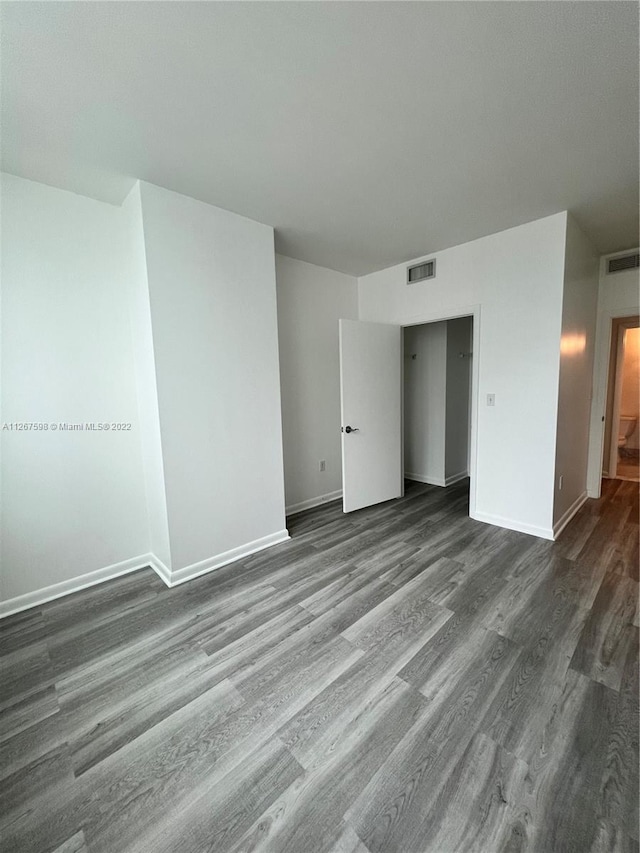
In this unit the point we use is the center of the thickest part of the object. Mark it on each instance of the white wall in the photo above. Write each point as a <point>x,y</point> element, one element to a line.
<point>436,401</point>
<point>146,385</point>
<point>425,402</point>
<point>211,277</point>
<point>459,340</point>
<point>311,300</point>
<point>618,296</point>
<point>576,372</point>
<point>516,277</point>
<point>73,502</point>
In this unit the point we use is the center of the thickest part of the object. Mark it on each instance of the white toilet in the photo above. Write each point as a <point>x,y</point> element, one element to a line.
<point>625,430</point>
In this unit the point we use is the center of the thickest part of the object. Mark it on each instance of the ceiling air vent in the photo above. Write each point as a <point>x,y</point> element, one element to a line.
<point>626,262</point>
<point>427,269</point>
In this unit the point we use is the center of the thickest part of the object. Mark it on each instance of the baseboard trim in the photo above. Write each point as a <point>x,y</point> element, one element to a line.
<point>437,481</point>
<point>163,571</point>
<point>562,522</point>
<point>512,524</point>
<point>58,590</point>
<point>429,481</point>
<point>292,509</point>
<point>144,561</point>
<point>455,478</point>
<point>187,573</point>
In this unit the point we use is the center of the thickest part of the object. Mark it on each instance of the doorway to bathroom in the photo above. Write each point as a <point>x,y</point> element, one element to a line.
<point>437,401</point>
<point>621,458</point>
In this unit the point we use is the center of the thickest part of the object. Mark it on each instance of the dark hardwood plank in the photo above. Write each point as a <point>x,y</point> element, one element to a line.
<point>218,815</point>
<point>95,733</point>
<point>476,804</point>
<point>34,781</point>
<point>619,793</point>
<point>308,815</point>
<point>73,845</point>
<point>31,743</point>
<point>528,696</point>
<point>442,574</point>
<point>24,672</point>
<point>22,629</point>
<point>394,679</point>
<point>25,712</point>
<point>397,614</point>
<point>312,733</point>
<point>389,815</point>
<point>608,633</point>
<point>609,839</point>
<point>568,800</point>
<point>348,842</point>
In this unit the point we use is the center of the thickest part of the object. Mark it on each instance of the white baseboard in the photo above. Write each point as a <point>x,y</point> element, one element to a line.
<point>57,590</point>
<point>436,481</point>
<point>163,572</point>
<point>187,573</point>
<point>512,524</point>
<point>170,578</point>
<point>321,499</point>
<point>420,478</point>
<point>562,522</point>
<point>455,478</point>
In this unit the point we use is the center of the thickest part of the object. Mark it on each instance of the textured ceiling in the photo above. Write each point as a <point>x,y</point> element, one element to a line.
<point>366,133</point>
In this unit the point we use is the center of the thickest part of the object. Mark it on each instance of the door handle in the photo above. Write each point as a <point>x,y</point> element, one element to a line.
<point>348,429</point>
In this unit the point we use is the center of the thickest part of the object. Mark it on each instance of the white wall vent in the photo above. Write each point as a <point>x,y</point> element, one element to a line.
<point>419,272</point>
<point>625,262</point>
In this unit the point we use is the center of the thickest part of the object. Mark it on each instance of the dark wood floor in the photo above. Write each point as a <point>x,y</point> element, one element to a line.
<point>398,680</point>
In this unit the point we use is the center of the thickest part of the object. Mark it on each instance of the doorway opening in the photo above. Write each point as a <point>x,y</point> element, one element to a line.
<point>372,407</point>
<point>437,392</point>
<point>621,456</point>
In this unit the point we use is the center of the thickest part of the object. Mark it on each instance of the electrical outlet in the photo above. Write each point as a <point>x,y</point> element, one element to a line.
<point>491,399</point>
<point>323,465</point>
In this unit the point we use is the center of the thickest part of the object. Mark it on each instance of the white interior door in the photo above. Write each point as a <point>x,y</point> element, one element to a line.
<point>371,405</point>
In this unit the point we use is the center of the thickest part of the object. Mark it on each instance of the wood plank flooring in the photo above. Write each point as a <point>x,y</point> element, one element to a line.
<point>398,680</point>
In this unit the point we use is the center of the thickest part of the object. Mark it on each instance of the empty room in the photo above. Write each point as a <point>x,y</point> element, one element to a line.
<point>319,427</point>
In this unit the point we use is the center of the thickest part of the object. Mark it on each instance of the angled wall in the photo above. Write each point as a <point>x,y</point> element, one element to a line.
<point>579,301</point>
<point>212,298</point>
<point>73,500</point>
<point>160,315</point>
<point>146,386</point>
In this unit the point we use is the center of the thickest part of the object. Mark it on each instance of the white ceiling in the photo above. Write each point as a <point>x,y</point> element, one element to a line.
<point>366,133</point>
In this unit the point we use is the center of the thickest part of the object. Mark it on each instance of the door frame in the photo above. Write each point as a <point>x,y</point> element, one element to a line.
<point>472,311</point>
<point>604,333</point>
<point>622,328</point>
<point>618,355</point>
